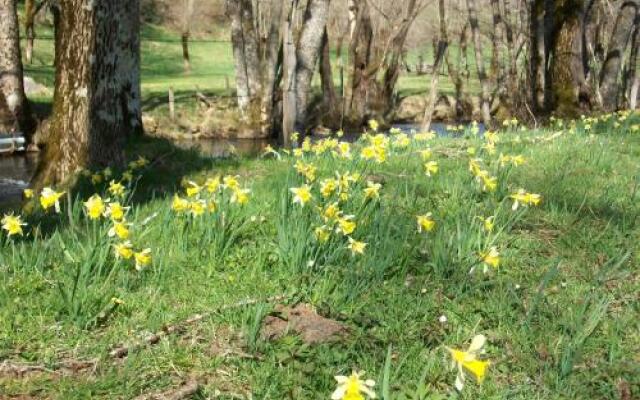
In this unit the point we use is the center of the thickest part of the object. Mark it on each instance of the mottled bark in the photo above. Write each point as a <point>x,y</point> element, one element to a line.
<point>443,43</point>
<point>538,54</point>
<point>360,76</point>
<point>631,74</point>
<point>482,76</point>
<point>307,53</point>
<point>29,19</point>
<point>329,96</point>
<point>96,99</point>
<point>610,73</point>
<point>13,100</point>
<point>289,111</point>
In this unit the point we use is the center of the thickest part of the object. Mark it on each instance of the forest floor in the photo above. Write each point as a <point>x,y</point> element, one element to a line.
<point>552,284</point>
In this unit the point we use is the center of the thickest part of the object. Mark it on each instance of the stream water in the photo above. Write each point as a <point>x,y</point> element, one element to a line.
<point>16,171</point>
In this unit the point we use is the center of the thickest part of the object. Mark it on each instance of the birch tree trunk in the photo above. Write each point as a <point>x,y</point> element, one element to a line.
<point>96,99</point>
<point>307,53</point>
<point>482,76</point>
<point>609,76</point>
<point>13,100</point>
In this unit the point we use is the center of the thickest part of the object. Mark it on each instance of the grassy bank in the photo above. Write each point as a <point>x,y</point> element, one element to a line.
<point>556,299</point>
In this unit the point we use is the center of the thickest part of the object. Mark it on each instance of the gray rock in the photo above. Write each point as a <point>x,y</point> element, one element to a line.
<point>31,87</point>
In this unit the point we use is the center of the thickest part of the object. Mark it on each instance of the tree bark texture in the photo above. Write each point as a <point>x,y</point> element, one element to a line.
<point>618,43</point>
<point>329,96</point>
<point>13,102</point>
<point>97,87</point>
<point>482,76</point>
<point>187,14</point>
<point>443,43</point>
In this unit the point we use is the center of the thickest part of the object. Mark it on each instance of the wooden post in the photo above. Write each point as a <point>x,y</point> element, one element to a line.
<point>172,105</point>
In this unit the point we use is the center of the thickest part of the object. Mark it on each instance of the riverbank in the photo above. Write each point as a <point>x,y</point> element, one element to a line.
<point>551,282</point>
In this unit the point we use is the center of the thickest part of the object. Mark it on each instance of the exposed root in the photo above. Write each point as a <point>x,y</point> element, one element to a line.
<point>72,367</point>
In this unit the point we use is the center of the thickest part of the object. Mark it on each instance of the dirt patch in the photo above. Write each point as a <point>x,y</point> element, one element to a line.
<point>303,321</point>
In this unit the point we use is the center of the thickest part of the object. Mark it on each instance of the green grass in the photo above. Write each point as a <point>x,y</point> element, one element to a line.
<point>560,313</point>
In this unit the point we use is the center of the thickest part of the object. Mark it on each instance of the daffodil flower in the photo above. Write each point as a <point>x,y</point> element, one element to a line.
<point>372,191</point>
<point>142,258</point>
<point>356,247</point>
<point>116,189</point>
<point>231,182</point>
<point>522,197</point>
<point>123,250</point>
<point>328,187</point>
<point>212,184</point>
<point>28,193</point>
<point>431,168</point>
<point>468,362</point>
<point>12,224</point>
<point>346,226</point>
<point>116,211</point>
<point>322,233</point>
<point>95,207</point>
<point>240,196</point>
<point>197,207</point>
<point>373,124</point>
<point>301,195</point>
<point>193,189</point>
<point>50,198</point>
<point>331,212</point>
<point>353,387</point>
<point>119,229</point>
<point>490,258</point>
<point>425,223</point>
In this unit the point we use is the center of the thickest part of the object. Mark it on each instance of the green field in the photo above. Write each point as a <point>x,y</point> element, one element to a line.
<point>560,312</point>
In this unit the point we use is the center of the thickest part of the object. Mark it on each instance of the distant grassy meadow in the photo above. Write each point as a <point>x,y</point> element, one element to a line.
<point>521,244</point>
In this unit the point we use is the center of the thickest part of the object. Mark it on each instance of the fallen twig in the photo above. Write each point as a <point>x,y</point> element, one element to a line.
<point>19,369</point>
<point>121,351</point>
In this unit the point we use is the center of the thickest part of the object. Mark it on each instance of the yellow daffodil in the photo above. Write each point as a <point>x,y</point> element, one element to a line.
<point>140,162</point>
<point>424,136</point>
<point>306,170</point>
<point>489,183</point>
<point>322,233</point>
<point>50,198</point>
<point>120,230</point>
<point>116,189</point>
<point>12,224</point>
<point>179,204</point>
<point>490,258</point>
<point>212,184</point>
<point>344,150</point>
<point>116,211</point>
<point>301,195</point>
<point>212,206</point>
<point>372,191</point>
<point>331,212</point>
<point>96,178</point>
<point>142,258</point>
<point>522,197</point>
<point>269,150</point>
<point>231,182</point>
<point>197,207</point>
<point>94,207</point>
<point>373,124</point>
<point>356,247</point>
<point>401,141</point>
<point>328,187</point>
<point>298,153</point>
<point>28,193</point>
<point>431,168</point>
<point>306,145</point>
<point>468,361</point>
<point>127,176</point>
<point>487,223</point>
<point>353,387</point>
<point>426,154</point>
<point>518,160</point>
<point>491,137</point>
<point>425,223</point>
<point>368,153</point>
<point>123,250</point>
<point>346,226</point>
<point>192,189</point>
<point>240,196</point>
<point>107,173</point>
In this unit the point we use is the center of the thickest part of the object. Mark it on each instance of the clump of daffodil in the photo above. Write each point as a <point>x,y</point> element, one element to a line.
<point>95,207</point>
<point>469,362</point>
<point>50,198</point>
<point>522,197</point>
<point>301,195</point>
<point>212,184</point>
<point>12,224</point>
<point>306,170</point>
<point>231,182</point>
<point>331,212</point>
<point>426,154</point>
<point>192,189</point>
<point>353,387</point>
<point>426,223</point>
<point>424,136</point>
<point>344,150</point>
<point>356,247</point>
<point>431,168</point>
<point>328,187</point>
<point>116,189</point>
<point>197,207</point>
<point>142,259</point>
<point>139,163</point>
<point>269,150</point>
<point>28,193</point>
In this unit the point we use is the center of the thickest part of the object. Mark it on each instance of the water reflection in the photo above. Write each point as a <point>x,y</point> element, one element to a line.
<point>15,173</point>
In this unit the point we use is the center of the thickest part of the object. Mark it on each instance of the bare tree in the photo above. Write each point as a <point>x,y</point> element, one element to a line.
<point>12,96</point>
<point>187,14</point>
<point>96,100</point>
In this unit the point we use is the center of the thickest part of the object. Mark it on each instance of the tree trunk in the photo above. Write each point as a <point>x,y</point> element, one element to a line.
<point>567,64</point>
<point>289,111</point>
<point>187,13</point>
<point>624,25</point>
<point>13,99</point>
<point>307,52</point>
<point>29,19</point>
<point>359,77</point>
<point>443,43</point>
<point>96,98</point>
<point>329,97</point>
<point>538,54</point>
<point>631,75</point>
<point>482,76</point>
